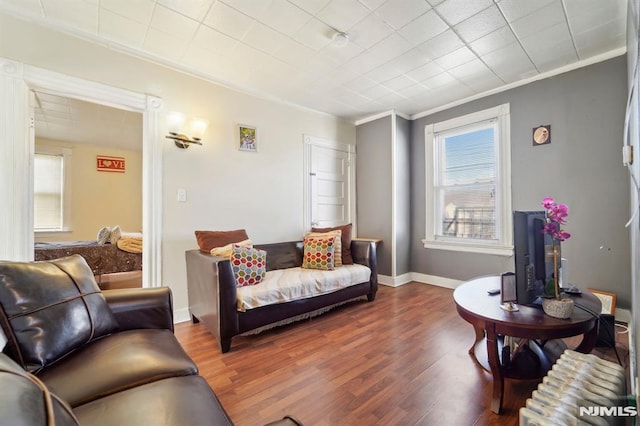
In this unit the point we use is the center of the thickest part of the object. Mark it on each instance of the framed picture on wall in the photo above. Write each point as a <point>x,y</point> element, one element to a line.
<point>247,138</point>
<point>608,301</point>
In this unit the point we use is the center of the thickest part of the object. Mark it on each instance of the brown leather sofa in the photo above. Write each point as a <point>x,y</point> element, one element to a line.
<point>212,290</point>
<point>76,355</point>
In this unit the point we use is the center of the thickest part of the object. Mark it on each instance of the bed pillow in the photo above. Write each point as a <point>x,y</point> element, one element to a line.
<point>347,259</point>
<point>319,253</point>
<point>337,249</point>
<point>208,240</point>
<point>51,308</point>
<point>249,265</point>
<point>227,250</point>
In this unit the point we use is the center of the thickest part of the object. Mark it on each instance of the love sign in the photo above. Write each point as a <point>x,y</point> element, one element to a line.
<point>110,164</point>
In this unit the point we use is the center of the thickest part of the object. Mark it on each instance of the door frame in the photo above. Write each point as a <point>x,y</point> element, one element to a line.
<point>310,141</point>
<point>16,156</point>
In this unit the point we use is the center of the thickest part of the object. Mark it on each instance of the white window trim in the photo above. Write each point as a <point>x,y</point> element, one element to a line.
<point>504,246</point>
<point>67,154</point>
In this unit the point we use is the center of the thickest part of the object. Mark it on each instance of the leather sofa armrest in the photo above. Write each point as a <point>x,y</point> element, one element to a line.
<point>141,308</point>
<point>364,252</point>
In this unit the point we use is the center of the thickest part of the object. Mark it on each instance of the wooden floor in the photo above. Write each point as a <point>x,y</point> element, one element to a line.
<point>400,360</point>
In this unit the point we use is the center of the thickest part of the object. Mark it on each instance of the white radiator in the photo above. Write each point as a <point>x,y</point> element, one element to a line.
<point>579,389</point>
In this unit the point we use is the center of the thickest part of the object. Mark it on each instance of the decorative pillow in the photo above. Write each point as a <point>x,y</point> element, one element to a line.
<point>319,253</point>
<point>49,309</point>
<point>227,251</point>
<point>211,239</point>
<point>249,265</point>
<point>345,240</point>
<point>115,234</point>
<point>337,249</point>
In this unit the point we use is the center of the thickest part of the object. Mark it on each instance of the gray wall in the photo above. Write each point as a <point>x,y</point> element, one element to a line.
<point>582,167</point>
<point>403,196</point>
<point>373,186</point>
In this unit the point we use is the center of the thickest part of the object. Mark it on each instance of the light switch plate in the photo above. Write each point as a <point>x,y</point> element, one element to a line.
<point>182,195</point>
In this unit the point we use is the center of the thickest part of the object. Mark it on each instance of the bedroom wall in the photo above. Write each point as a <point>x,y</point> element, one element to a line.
<point>100,198</point>
<point>226,188</point>
<point>582,167</point>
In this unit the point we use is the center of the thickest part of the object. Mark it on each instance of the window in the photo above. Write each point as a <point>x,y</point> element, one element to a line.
<point>468,187</point>
<point>50,190</point>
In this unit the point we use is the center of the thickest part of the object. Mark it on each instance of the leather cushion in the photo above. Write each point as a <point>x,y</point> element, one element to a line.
<point>208,240</point>
<point>117,362</point>
<point>177,401</point>
<point>50,309</point>
<point>25,400</point>
<point>347,259</point>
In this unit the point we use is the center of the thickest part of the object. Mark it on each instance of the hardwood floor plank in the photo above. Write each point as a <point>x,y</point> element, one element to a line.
<point>400,360</point>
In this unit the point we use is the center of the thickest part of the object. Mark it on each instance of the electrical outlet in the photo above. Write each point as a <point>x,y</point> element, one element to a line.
<point>182,195</point>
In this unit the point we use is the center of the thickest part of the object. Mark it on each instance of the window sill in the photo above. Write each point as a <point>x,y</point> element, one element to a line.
<point>493,249</point>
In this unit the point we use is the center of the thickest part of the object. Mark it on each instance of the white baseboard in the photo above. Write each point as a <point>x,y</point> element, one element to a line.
<point>181,315</point>
<point>418,277</point>
<point>623,315</point>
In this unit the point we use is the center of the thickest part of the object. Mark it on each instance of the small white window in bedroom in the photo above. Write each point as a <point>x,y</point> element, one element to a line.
<point>468,188</point>
<point>51,195</point>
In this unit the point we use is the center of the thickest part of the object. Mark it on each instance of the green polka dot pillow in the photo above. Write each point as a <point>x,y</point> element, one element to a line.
<point>249,265</point>
<point>319,253</point>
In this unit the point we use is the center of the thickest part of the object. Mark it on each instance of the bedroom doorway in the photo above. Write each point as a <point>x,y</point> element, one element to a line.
<point>16,158</point>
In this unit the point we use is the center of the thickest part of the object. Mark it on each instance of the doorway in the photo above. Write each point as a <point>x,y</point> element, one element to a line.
<point>16,157</point>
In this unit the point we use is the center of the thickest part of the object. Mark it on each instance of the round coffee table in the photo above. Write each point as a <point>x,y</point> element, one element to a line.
<point>534,328</point>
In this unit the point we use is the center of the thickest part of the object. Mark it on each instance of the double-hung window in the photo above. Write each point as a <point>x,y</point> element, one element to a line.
<point>468,188</point>
<point>51,195</point>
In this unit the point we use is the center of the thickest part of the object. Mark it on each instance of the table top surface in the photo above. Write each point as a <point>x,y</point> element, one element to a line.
<point>475,304</point>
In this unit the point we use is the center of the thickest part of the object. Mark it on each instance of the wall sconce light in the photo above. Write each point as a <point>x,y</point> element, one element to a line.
<point>175,125</point>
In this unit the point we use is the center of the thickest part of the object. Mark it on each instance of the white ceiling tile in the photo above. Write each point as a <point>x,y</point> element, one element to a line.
<point>264,38</point>
<point>600,39</point>
<point>373,4</point>
<point>174,24</point>
<point>340,55</point>
<point>120,29</point>
<point>214,41</point>
<point>441,44</point>
<point>376,92</point>
<point>410,60</point>
<point>391,47</point>
<point>516,9</point>
<point>400,82</point>
<point>360,83</point>
<point>284,17</point>
<point>228,20</point>
<point>426,71</point>
<point>314,34</point>
<point>539,20</point>
<point>164,45</point>
<point>343,14</point>
<point>76,14</point>
<point>555,40</point>
<point>194,9</point>
<point>294,53</point>
<point>250,8</point>
<point>476,75</point>
<point>440,80</point>
<point>369,31</point>
<point>494,41</point>
<point>30,7</point>
<point>310,6</point>
<point>423,28</point>
<point>481,24</point>
<point>384,72</point>
<point>398,13</point>
<point>455,11</point>
<point>455,58</point>
<point>583,15</point>
<point>509,63</point>
<point>392,99</point>
<point>139,10</point>
<point>414,91</point>
<point>434,3</point>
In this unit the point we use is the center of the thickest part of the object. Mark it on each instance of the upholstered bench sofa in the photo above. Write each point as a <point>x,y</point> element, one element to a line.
<point>227,310</point>
<point>76,355</point>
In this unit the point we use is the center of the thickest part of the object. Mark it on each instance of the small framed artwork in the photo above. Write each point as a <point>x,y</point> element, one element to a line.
<point>608,301</point>
<point>541,135</point>
<point>247,138</point>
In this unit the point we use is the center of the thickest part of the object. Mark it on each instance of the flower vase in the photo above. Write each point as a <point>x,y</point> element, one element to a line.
<point>555,306</point>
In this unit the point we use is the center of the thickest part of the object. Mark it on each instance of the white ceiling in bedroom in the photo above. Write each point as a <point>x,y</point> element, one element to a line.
<point>411,55</point>
<point>73,120</point>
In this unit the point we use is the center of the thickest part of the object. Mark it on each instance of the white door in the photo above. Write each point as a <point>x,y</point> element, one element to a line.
<point>329,183</point>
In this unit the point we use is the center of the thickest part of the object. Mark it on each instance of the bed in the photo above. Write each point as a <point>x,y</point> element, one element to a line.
<point>103,259</point>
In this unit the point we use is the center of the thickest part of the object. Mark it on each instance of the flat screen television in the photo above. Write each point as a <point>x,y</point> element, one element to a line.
<point>532,272</point>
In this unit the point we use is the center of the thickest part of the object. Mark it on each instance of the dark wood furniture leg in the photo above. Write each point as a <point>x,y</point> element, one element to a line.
<point>588,340</point>
<point>479,336</point>
<point>496,370</point>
